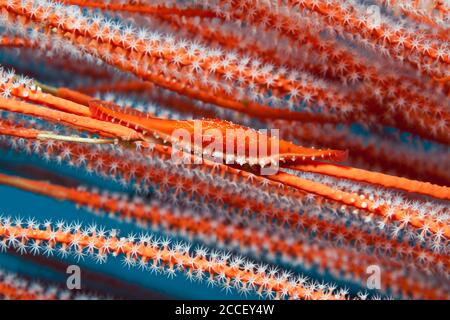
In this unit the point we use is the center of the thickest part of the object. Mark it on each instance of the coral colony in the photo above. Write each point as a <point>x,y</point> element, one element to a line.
<point>269,149</point>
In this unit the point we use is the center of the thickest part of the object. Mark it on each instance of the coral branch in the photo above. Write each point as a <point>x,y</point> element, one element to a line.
<point>153,254</point>
<point>361,202</point>
<point>83,123</point>
<point>385,180</point>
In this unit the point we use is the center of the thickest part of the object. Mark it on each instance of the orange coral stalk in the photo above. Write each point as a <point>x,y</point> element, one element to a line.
<point>74,96</point>
<point>27,133</point>
<point>373,155</point>
<point>14,131</point>
<point>49,100</point>
<point>159,256</point>
<point>361,202</point>
<point>250,108</point>
<point>381,179</point>
<point>253,109</point>
<point>84,123</point>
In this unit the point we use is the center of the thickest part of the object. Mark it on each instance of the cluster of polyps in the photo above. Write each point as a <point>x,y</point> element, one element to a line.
<point>159,255</point>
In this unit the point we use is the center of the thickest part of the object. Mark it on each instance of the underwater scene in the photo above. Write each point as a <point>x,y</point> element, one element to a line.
<point>224,150</point>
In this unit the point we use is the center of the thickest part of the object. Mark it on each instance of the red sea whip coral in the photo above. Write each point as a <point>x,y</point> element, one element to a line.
<point>362,83</point>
